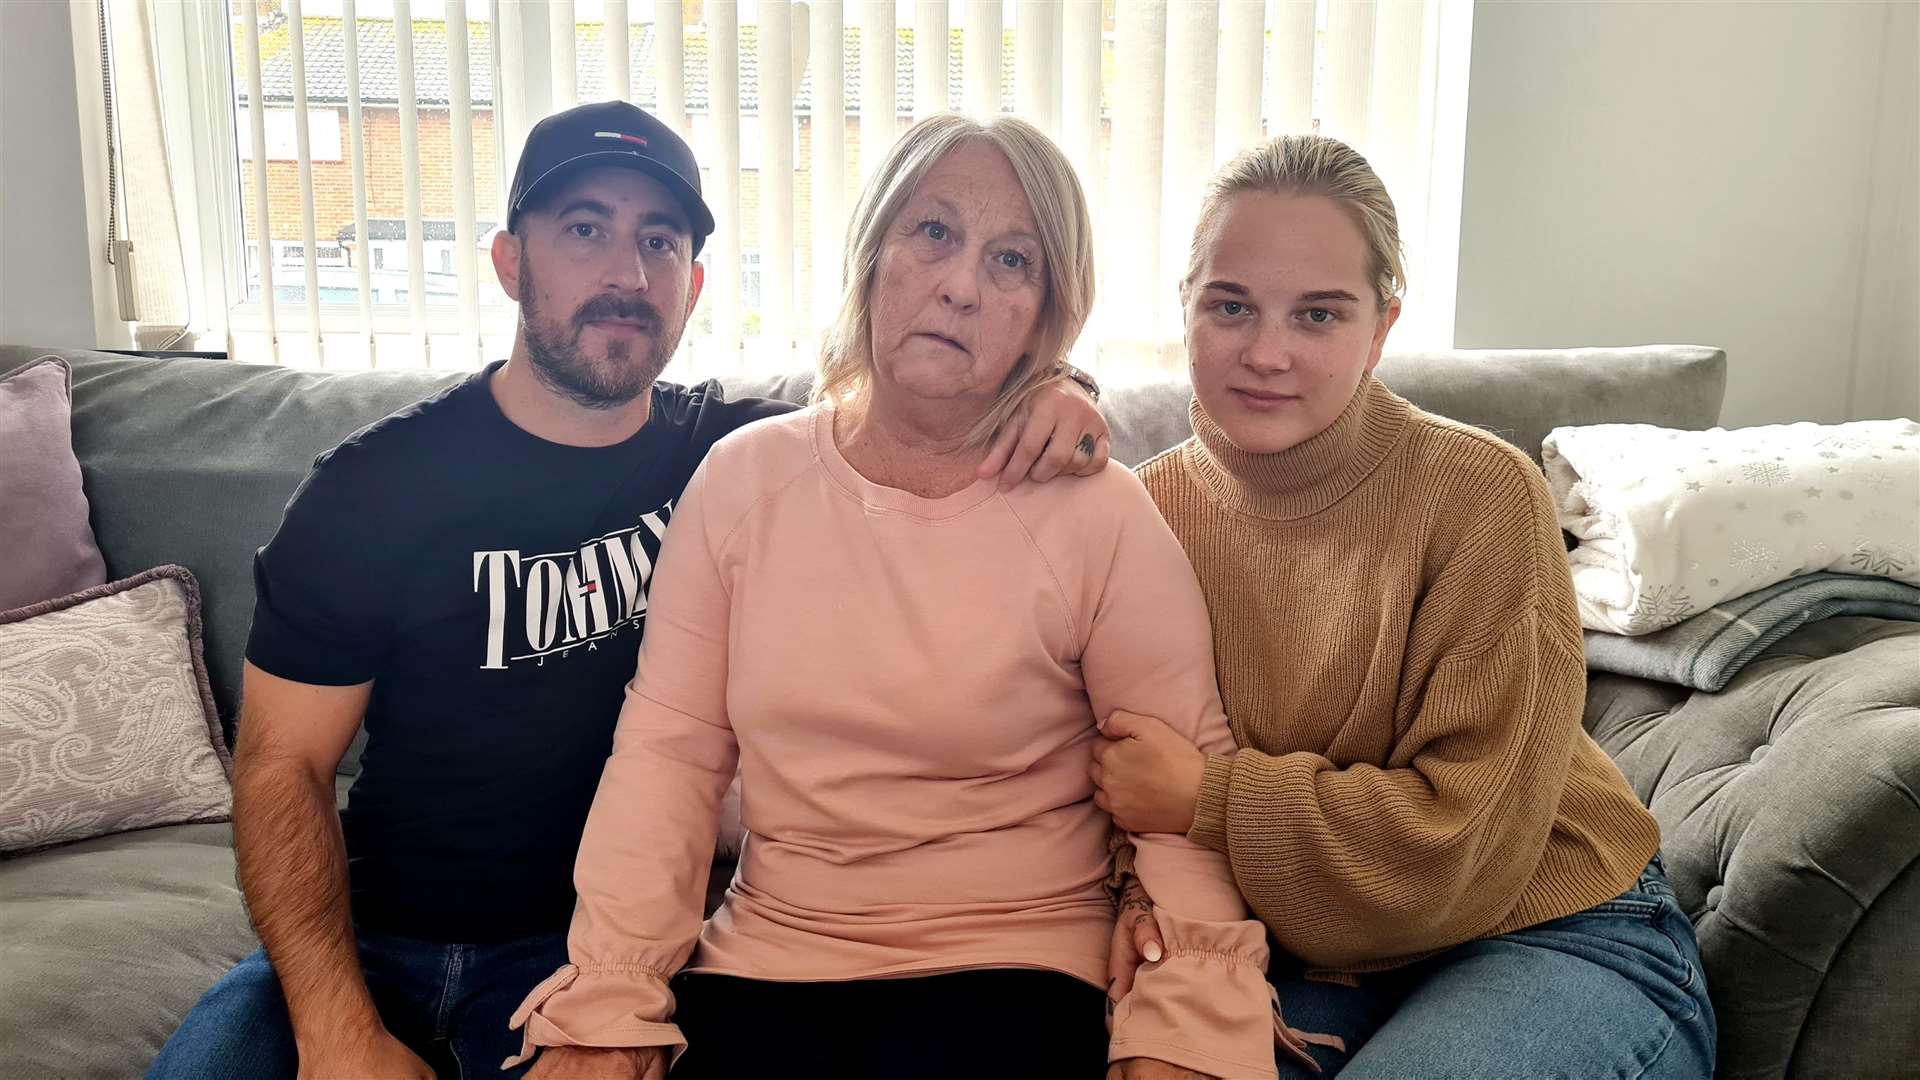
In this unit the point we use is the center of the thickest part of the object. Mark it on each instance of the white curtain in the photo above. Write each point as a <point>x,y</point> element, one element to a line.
<point>1147,98</point>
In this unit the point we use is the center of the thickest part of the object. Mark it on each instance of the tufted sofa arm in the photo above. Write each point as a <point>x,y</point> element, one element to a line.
<point>1789,807</point>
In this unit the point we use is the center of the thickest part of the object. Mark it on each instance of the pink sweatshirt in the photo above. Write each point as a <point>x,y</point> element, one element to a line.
<point>909,689</point>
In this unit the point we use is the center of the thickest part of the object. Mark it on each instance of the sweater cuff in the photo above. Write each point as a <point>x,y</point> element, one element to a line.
<point>608,1007</point>
<point>1210,808</point>
<point>1206,1006</point>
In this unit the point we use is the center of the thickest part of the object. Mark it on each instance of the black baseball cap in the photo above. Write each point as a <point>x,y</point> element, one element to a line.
<point>609,133</point>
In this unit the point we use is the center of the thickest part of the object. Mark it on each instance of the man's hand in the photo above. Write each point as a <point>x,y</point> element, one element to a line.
<point>1059,430</point>
<point>1136,938</point>
<point>1148,774</point>
<point>600,1063</point>
<point>1151,1069</point>
<point>377,1056</point>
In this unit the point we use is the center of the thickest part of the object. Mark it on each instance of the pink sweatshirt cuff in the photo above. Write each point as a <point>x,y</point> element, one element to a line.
<point>1210,809</point>
<point>604,1006</point>
<point>1206,1005</point>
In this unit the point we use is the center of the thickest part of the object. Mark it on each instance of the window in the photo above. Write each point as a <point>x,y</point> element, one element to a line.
<point>750,278</point>
<point>1388,77</point>
<point>283,141</point>
<point>294,255</point>
<point>702,134</point>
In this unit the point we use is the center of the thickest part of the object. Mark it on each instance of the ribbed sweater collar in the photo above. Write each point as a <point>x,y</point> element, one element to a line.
<point>1301,480</point>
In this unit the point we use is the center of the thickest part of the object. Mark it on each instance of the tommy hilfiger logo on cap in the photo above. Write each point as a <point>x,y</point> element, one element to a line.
<point>622,136</point>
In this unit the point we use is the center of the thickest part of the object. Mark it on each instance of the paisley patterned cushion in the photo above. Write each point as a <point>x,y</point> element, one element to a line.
<point>106,721</point>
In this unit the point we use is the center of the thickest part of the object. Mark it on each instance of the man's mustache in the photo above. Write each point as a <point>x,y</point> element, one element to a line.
<point>618,307</point>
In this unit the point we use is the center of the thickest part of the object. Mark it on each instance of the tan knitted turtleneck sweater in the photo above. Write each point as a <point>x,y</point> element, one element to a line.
<point>1401,665</point>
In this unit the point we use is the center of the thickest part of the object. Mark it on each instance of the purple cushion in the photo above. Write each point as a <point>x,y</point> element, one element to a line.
<point>43,511</point>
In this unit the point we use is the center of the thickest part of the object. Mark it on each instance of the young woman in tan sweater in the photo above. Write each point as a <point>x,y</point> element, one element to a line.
<point>1457,880</point>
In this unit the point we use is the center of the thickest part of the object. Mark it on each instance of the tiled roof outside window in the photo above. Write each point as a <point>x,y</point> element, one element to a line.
<point>380,81</point>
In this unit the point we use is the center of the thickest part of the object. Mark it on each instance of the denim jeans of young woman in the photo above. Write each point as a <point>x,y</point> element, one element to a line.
<point>1613,991</point>
<point>448,1003</point>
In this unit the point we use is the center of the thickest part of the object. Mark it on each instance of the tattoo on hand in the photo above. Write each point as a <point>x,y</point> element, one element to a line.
<point>1085,445</point>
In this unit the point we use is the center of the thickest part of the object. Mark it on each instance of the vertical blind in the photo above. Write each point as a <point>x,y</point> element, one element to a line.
<point>789,107</point>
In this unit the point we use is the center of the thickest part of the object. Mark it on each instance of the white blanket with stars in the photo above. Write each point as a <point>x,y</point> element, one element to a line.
<point>1671,523</point>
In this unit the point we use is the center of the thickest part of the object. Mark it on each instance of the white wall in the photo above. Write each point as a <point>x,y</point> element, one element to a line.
<point>46,283</point>
<point>1705,173</point>
<point>1889,330</point>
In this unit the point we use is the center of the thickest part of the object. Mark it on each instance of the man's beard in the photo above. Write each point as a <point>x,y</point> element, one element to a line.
<point>563,367</point>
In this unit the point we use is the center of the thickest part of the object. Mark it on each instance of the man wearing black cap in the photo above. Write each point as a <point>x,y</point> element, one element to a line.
<point>467,579</point>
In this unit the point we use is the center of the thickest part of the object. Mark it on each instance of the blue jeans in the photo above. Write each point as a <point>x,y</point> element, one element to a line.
<point>448,1003</point>
<point>1613,991</point>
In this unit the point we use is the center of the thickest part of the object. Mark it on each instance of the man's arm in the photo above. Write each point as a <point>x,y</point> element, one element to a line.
<point>293,870</point>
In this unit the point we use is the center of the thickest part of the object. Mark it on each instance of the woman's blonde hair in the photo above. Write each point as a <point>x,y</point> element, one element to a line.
<point>1066,243</point>
<point>1309,165</point>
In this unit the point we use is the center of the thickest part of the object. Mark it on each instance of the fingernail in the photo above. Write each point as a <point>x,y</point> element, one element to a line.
<point>1152,952</point>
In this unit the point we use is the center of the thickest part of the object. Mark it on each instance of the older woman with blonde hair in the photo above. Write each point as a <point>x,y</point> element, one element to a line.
<point>1459,881</point>
<point>907,666</point>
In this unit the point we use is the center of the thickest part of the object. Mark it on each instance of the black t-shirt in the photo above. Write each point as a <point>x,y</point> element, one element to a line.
<point>493,587</point>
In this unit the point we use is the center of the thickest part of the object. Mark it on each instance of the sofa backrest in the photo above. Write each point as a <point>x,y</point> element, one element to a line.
<point>1518,394</point>
<point>192,461</point>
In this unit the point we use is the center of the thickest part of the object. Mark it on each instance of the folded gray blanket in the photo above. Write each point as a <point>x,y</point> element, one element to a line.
<point>1706,651</point>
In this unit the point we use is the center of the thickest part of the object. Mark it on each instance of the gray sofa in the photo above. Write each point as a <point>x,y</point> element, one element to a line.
<point>1787,801</point>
